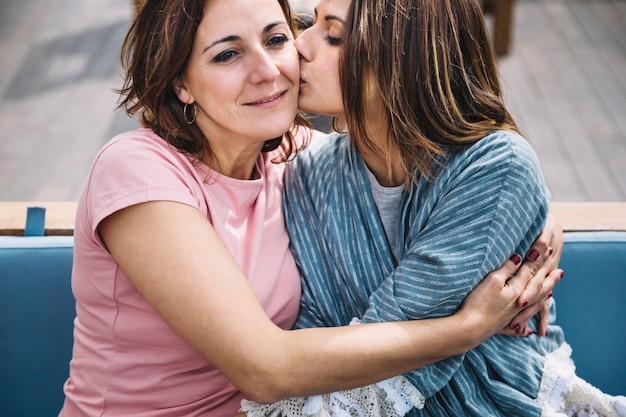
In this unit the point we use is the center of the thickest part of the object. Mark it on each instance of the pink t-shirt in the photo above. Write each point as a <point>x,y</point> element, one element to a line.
<point>126,360</point>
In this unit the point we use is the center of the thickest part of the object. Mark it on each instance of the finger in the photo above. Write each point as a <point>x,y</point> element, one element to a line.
<point>544,316</point>
<point>536,303</point>
<point>520,322</point>
<point>556,240</point>
<point>542,309</point>
<point>540,269</point>
<point>547,286</point>
<point>508,332</point>
<point>502,275</point>
<point>512,270</point>
<point>544,240</point>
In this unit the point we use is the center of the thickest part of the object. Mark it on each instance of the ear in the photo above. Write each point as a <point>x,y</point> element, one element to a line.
<point>181,91</point>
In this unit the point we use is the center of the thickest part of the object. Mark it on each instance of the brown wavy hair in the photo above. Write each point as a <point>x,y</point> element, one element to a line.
<point>154,55</point>
<point>434,66</point>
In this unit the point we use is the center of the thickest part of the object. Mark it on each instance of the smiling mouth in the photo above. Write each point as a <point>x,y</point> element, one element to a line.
<point>269,99</point>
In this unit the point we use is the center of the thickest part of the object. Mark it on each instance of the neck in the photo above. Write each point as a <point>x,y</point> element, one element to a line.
<point>377,164</point>
<point>233,163</point>
<point>384,162</point>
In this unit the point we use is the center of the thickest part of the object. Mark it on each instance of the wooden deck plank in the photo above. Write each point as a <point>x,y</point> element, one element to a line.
<point>60,217</point>
<point>573,216</point>
<point>565,76</point>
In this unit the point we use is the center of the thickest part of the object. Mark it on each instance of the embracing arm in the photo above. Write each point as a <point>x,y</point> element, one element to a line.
<point>173,256</point>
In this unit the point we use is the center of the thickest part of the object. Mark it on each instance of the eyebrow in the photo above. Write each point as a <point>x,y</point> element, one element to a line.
<point>331,17</point>
<point>232,38</point>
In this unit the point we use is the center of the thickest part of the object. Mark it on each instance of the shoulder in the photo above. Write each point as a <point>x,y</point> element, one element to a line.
<point>502,162</point>
<point>139,166</point>
<point>142,156</point>
<point>503,146</point>
<point>497,153</point>
<point>323,149</point>
<point>136,145</point>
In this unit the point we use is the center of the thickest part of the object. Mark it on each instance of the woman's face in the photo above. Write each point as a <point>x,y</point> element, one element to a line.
<point>243,73</point>
<point>319,47</point>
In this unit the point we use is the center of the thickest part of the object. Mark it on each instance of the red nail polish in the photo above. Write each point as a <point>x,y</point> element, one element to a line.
<point>516,259</point>
<point>550,294</point>
<point>533,255</point>
<point>514,326</point>
<point>550,251</point>
<point>562,273</point>
<point>524,303</point>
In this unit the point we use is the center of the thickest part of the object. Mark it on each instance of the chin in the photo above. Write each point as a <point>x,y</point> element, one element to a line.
<point>278,128</point>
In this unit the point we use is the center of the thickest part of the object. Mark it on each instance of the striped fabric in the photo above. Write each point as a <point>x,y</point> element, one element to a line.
<point>489,202</point>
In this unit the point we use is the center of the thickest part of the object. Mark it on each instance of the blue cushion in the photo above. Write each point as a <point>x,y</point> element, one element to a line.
<point>591,306</point>
<point>37,310</point>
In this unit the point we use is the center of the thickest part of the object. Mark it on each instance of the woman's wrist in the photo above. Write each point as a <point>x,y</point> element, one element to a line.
<point>470,330</point>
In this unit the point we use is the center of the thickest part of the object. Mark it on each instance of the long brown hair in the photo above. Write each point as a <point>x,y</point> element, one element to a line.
<point>154,54</point>
<point>433,64</point>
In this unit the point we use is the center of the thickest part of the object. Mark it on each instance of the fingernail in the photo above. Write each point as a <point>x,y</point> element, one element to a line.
<point>516,259</point>
<point>550,251</point>
<point>530,332</point>
<point>514,326</point>
<point>550,294</point>
<point>533,255</point>
<point>524,303</point>
<point>562,274</point>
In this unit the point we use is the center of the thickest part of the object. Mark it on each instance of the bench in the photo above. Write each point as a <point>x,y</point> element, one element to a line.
<point>37,307</point>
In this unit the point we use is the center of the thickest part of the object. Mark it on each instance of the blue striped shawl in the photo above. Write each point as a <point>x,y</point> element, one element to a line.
<point>489,202</point>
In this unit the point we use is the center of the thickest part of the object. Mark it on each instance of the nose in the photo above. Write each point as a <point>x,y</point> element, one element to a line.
<point>263,68</point>
<point>303,45</point>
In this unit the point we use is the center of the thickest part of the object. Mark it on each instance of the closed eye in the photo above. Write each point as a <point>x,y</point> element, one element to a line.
<point>334,41</point>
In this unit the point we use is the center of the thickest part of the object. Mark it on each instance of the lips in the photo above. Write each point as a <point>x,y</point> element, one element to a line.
<point>268,99</point>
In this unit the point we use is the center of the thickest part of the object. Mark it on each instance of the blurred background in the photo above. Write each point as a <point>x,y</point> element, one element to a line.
<point>564,73</point>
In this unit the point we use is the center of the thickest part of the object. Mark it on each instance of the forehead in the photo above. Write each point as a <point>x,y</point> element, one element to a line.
<point>334,7</point>
<point>225,15</point>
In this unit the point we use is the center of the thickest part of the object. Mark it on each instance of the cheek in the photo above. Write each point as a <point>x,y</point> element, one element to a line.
<point>290,65</point>
<point>330,76</point>
<point>216,94</point>
<point>329,66</point>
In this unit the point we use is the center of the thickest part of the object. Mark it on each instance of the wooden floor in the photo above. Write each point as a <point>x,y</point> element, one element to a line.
<point>565,78</point>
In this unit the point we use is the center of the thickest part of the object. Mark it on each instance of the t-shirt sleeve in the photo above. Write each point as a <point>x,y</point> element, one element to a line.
<point>138,169</point>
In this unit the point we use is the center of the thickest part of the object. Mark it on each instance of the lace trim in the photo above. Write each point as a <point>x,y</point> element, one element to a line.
<point>563,394</point>
<point>393,397</point>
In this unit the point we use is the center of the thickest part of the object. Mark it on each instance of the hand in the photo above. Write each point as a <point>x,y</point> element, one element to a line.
<point>494,302</point>
<point>539,302</point>
<point>543,257</point>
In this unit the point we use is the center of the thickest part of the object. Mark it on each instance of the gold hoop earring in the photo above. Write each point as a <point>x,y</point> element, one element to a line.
<point>339,125</point>
<point>186,115</point>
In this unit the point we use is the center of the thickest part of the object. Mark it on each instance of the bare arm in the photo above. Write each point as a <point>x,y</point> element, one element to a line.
<point>173,256</point>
